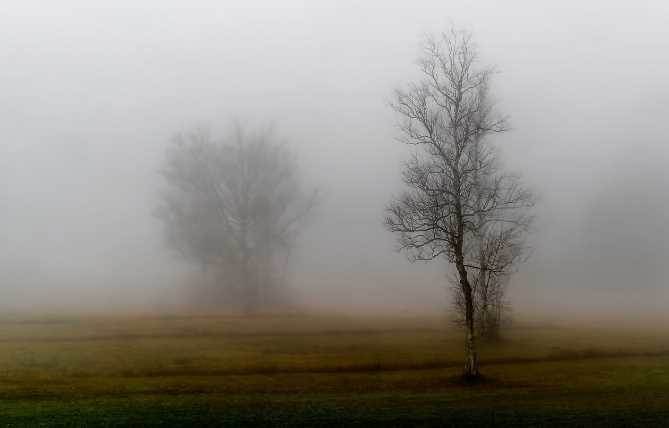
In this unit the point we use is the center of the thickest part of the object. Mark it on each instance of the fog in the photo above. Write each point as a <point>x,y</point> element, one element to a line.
<point>91,95</point>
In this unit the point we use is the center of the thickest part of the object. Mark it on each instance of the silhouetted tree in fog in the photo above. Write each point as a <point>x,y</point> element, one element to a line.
<point>459,206</point>
<point>235,205</point>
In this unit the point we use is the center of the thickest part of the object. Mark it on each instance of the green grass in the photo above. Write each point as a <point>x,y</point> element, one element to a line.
<point>296,370</point>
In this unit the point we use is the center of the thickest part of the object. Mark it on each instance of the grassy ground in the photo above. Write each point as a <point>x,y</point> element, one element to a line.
<point>324,371</point>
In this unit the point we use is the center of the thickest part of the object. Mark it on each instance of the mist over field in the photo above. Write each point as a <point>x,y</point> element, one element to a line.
<point>91,96</point>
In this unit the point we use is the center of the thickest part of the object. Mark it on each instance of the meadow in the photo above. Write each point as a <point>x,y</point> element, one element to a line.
<point>315,370</point>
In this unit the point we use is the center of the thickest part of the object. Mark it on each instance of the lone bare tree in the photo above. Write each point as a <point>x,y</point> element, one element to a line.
<point>458,201</point>
<point>236,205</point>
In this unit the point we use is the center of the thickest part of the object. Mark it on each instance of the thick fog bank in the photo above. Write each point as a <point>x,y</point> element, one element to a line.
<point>92,95</point>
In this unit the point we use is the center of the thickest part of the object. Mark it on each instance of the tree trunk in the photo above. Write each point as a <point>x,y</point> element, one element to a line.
<point>472,359</point>
<point>471,355</point>
<point>249,287</point>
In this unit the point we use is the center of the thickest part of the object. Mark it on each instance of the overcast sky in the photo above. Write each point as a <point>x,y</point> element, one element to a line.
<point>91,91</point>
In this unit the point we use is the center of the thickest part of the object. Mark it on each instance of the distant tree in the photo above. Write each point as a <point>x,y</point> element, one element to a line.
<point>235,205</point>
<point>459,204</point>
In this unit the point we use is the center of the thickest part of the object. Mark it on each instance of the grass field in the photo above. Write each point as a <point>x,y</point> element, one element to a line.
<point>295,370</point>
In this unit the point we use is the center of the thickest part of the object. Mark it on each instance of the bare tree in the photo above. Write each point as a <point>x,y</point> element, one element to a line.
<point>235,205</point>
<point>458,200</point>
